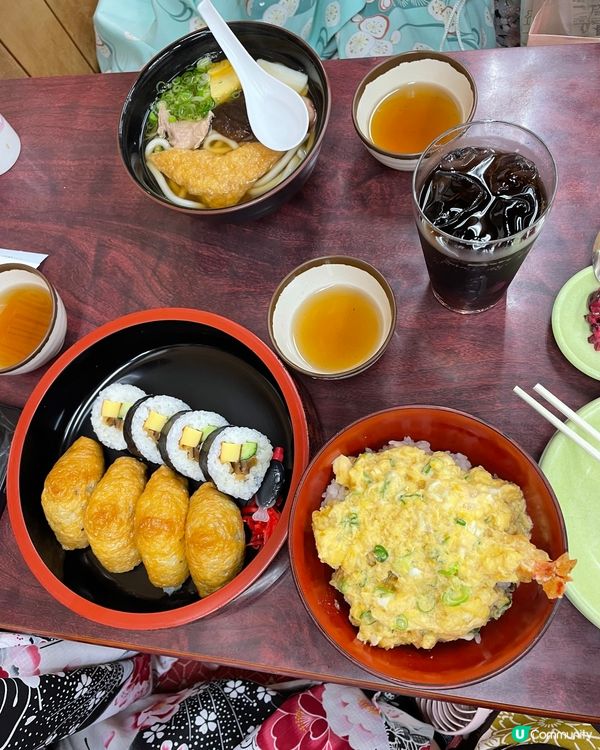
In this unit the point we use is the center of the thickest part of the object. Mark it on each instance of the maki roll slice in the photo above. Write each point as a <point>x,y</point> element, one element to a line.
<point>236,460</point>
<point>182,438</point>
<point>144,424</point>
<point>109,411</point>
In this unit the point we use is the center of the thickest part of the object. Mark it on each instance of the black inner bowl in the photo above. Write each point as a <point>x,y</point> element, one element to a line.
<point>262,40</point>
<point>207,368</point>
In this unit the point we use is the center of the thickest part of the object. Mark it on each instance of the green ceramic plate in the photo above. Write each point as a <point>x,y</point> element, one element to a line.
<point>569,326</point>
<point>575,478</point>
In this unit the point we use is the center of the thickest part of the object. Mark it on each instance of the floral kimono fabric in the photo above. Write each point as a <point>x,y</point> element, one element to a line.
<point>73,696</point>
<point>129,34</point>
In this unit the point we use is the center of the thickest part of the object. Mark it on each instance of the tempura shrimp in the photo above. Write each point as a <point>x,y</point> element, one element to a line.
<point>552,575</point>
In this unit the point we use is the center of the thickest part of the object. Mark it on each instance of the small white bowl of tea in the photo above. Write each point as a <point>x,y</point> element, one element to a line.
<point>33,321</point>
<point>332,317</point>
<point>407,101</point>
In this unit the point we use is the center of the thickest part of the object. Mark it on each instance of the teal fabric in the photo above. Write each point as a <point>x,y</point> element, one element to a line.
<point>129,33</point>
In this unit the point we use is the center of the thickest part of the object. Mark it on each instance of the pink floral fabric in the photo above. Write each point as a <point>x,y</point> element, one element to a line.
<point>300,724</point>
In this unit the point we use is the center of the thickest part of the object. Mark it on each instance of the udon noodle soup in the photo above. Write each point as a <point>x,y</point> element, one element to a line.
<point>199,145</point>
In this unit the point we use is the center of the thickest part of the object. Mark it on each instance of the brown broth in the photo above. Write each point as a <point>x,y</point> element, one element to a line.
<point>408,119</point>
<point>337,328</point>
<point>25,315</point>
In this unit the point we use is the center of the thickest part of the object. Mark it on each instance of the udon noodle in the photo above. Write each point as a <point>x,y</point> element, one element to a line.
<point>162,123</point>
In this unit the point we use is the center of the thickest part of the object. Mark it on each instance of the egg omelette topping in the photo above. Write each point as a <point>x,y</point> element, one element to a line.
<point>425,550</point>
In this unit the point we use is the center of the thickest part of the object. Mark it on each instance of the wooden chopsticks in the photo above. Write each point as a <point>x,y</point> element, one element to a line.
<point>554,420</point>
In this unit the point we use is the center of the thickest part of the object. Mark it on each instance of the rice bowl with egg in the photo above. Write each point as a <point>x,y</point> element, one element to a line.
<point>425,548</point>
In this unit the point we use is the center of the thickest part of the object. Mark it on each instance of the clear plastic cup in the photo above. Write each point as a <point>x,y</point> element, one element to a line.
<point>475,236</point>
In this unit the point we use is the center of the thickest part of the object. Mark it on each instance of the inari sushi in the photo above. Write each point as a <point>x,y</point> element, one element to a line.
<point>68,488</point>
<point>144,424</point>
<point>214,539</point>
<point>182,438</point>
<point>159,528</point>
<point>109,516</point>
<point>109,411</point>
<point>236,459</point>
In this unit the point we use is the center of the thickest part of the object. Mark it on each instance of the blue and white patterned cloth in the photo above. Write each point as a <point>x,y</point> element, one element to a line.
<point>129,34</point>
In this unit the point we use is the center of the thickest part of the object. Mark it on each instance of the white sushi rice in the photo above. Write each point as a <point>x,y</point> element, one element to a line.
<point>112,435</point>
<point>166,406</point>
<point>222,474</point>
<point>178,456</point>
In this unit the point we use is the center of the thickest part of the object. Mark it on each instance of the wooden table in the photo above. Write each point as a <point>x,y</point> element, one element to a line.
<point>112,251</point>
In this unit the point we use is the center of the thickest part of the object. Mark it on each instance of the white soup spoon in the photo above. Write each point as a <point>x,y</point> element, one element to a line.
<point>277,115</point>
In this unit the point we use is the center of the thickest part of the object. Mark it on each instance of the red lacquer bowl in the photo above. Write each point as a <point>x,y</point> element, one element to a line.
<point>447,665</point>
<point>208,361</point>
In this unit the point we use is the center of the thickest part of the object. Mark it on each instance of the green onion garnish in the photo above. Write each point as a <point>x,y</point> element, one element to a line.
<point>381,554</point>
<point>454,597</point>
<point>187,97</point>
<point>401,623</point>
<point>426,603</point>
<point>451,571</point>
<point>409,495</point>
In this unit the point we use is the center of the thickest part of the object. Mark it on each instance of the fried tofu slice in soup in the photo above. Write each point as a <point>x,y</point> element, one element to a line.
<point>219,180</point>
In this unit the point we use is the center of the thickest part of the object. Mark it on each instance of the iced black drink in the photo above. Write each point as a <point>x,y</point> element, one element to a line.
<point>480,211</point>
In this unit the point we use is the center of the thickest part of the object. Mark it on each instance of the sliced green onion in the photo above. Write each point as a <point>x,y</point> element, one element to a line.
<point>454,597</point>
<point>460,521</point>
<point>401,623</point>
<point>204,64</point>
<point>381,554</point>
<point>426,603</point>
<point>410,495</point>
<point>427,468</point>
<point>367,617</point>
<point>351,519</point>
<point>186,97</point>
<point>451,571</point>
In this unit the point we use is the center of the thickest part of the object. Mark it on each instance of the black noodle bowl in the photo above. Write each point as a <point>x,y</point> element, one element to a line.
<point>262,41</point>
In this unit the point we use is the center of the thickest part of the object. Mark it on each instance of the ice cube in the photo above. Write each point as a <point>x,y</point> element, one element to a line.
<point>511,174</point>
<point>454,202</point>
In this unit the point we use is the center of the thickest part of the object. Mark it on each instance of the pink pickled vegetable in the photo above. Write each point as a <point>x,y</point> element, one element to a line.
<point>593,318</point>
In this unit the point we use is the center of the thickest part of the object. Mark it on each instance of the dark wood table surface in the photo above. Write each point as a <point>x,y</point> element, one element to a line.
<point>112,251</point>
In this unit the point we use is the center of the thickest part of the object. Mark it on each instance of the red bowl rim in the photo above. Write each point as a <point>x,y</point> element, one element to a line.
<point>431,684</point>
<point>222,597</point>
